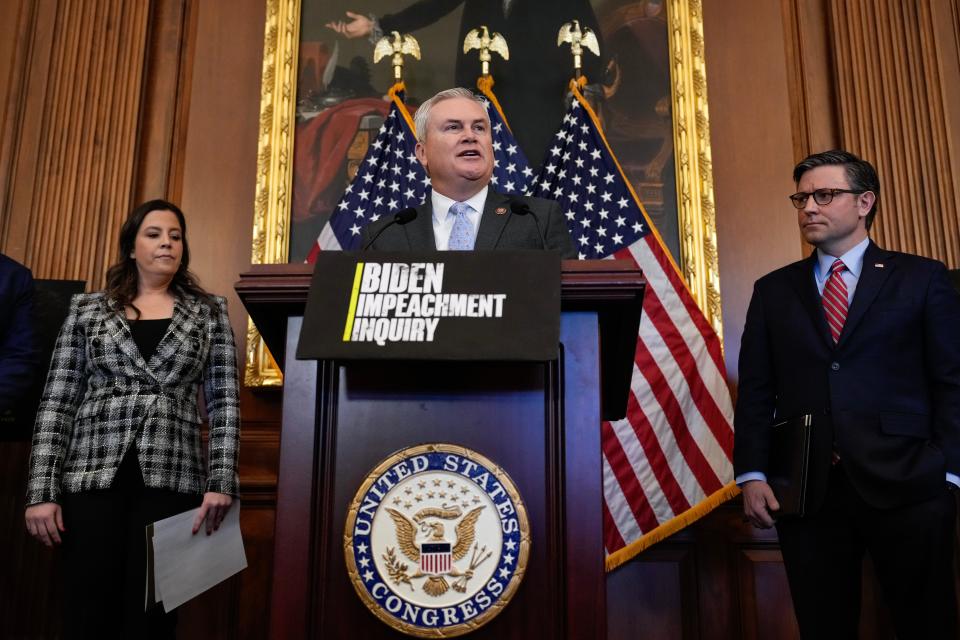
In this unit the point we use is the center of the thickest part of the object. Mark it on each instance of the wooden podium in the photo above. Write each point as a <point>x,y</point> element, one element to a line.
<point>539,421</point>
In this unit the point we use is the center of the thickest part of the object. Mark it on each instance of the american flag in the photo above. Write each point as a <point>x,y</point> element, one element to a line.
<point>511,171</point>
<point>391,178</point>
<point>670,460</point>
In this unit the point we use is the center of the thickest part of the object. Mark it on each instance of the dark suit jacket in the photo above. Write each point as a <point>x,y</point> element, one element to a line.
<point>506,230</point>
<point>18,350</point>
<point>887,396</point>
<point>101,398</point>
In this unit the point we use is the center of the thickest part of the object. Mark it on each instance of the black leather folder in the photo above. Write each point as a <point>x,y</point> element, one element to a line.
<point>789,471</point>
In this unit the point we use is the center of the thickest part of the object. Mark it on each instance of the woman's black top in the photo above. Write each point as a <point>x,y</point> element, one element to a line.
<point>147,334</point>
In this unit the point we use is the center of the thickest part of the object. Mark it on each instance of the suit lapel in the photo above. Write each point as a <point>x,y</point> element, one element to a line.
<point>804,283</point>
<point>492,223</point>
<point>119,329</point>
<point>186,316</point>
<point>876,269</point>
<point>420,230</point>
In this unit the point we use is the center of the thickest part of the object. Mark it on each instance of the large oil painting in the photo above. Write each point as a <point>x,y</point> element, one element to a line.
<point>322,86</point>
<point>339,87</point>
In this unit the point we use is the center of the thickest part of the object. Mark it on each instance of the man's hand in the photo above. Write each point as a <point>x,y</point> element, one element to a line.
<point>758,502</point>
<point>214,509</point>
<point>45,522</point>
<point>359,26</point>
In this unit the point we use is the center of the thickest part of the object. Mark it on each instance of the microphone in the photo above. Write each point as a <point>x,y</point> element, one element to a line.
<point>521,208</point>
<point>400,217</point>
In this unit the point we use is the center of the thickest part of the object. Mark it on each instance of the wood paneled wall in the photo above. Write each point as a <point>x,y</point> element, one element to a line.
<point>888,55</point>
<point>166,101</point>
<point>104,103</point>
<point>810,76</point>
<point>74,135</point>
<point>750,125</point>
<point>719,579</point>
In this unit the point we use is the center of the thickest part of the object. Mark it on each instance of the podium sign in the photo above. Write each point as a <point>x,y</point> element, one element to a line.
<point>451,305</point>
<point>415,423</point>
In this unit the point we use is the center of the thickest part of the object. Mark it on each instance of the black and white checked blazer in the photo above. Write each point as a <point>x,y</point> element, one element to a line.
<point>101,398</point>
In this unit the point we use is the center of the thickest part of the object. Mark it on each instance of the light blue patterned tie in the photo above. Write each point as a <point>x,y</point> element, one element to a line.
<point>461,236</point>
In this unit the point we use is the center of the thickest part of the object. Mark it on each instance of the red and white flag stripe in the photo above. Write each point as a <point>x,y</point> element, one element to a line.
<point>669,461</point>
<point>673,451</point>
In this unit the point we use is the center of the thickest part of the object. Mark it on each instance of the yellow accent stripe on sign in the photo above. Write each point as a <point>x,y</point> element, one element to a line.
<point>348,329</point>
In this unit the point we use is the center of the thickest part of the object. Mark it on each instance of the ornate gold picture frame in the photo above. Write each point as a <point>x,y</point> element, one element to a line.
<point>691,137</point>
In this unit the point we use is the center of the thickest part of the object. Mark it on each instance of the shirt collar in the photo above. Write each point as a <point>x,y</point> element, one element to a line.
<point>441,203</point>
<point>852,259</point>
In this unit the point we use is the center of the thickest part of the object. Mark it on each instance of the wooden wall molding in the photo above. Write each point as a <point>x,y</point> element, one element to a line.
<point>19,138</point>
<point>810,76</point>
<point>166,100</point>
<point>74,149</point>
<point>764,594</point>
<point>946,21</point>
<point>892,104</point>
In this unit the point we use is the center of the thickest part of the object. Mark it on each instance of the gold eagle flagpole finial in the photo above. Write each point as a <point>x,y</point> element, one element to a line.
<point>578,39</point>
<point>486,42</point>
<point>396,45</point>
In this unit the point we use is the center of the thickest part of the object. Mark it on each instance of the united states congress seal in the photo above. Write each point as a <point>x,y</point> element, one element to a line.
<point>436,540</point>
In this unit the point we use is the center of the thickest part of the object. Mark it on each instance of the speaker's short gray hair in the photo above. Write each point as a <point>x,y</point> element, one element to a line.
<point>422,116</point>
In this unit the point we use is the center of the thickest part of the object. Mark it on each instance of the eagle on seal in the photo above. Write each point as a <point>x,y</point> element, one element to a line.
<point>406,531</point>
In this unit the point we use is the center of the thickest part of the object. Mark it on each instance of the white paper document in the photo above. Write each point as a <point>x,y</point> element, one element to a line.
<point>185,565</point>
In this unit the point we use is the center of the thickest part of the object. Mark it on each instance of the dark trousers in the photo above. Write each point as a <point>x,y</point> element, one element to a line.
<point>912,551</point>
<point>104,552</point>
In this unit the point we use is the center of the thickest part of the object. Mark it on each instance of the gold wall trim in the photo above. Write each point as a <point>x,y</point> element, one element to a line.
<point>271,217</point>
<point>691,137</point>
<point>697,216</point>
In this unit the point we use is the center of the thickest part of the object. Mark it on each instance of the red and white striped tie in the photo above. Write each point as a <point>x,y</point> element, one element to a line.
<point>835,299</point>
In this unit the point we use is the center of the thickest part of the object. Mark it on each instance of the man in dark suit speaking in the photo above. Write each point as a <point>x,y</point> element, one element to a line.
<point>868,341</point>
<point>463,213</point>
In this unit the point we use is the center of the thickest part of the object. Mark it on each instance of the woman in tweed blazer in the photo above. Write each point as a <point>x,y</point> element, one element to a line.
<point>117,438</point>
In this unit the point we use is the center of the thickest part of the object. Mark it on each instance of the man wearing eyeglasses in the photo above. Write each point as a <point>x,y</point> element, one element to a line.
<point>867,341</point>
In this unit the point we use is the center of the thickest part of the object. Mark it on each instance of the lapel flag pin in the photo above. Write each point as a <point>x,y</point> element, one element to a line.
<point>878,265</point>
<point>501,211</point>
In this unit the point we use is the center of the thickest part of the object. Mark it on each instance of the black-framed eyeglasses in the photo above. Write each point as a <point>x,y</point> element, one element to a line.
<point>820,196</point>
